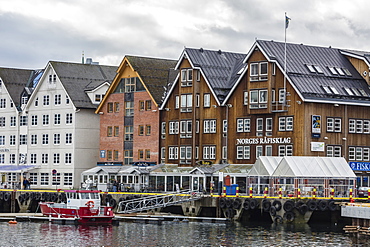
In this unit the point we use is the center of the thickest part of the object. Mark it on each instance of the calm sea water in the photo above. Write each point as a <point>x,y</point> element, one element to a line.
<point>171,234</point>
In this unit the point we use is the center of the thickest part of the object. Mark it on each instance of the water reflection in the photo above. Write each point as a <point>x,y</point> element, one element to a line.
<point>172,234</point>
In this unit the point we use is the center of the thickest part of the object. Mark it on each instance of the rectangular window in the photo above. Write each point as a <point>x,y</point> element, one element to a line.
<point>110,107</point>
<point>148,130</point>
<point>57,99</point>
<point>285,123</point>
<point>2,103</point>
<point>141,130</point>
<point>128,157</point>
<point>12,140</point>
<point>141,105</point>
<point>2,158</point>
<point>268,124</point>
<point>68,158</point>
<point>56,139</point>
<point>68,179</point>
<point>33,158</point>
<point>147,154</point>
<point>2,121</point>
<point>45,119</point>
<point>109,155</point>
<point>68,118</point>
<point>282,96</point>
<point>33,139</point>
<point>129,108</point>
<point>129,132</point>
<point>163,128</point>
<point>13,121</point>
<point>259,151</point>
<point>333,151</point>
<point>207,100</point>
<point>2,140</point>
<point>209,126</point>
<point>57,119</point>
<point>130,85</point>
<point>44,178</point>
<point>23,121</point>
<point>34,120</point>
<point>56,158</point>
<point>116,131</point>
<point>23,139</point>
<point>259,125</point>
<point>109,131</point>
<point>56,179</point>
<point>245,98</point>
<point>186,103</point>
<point>148,105</point>
<point>46,100</point>
<point>45,158</point>
<point>68,138</point>
<point>45,139</point>
<point>116,106</point>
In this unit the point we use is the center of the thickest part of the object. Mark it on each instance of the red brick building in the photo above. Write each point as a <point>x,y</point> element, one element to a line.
<point>129,115</point>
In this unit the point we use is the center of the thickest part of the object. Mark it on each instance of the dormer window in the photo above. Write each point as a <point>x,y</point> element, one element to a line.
<point>258,71</point>
<point>186,77</point>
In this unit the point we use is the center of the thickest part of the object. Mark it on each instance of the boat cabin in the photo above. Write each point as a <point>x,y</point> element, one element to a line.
<point>83,198</point>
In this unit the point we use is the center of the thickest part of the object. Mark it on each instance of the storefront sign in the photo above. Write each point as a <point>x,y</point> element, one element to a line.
<point>109,164</point>
<point>204,162</point>
<point>317,146</point>
<point>360,166</point>
<point>264,140</point>
<point>316,124</point>
<point>4,150</point>
<point>102,153</point>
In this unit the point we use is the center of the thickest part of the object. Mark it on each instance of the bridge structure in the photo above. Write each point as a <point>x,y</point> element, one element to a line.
<point>157,201</point>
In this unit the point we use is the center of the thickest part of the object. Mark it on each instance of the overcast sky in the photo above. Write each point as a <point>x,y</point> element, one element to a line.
<point>35,32</point>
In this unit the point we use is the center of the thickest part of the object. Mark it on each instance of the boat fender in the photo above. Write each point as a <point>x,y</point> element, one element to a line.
<point>27,196</point>
<point>277,205</point>
<point>332,206</point>
<point>303,209</point>
<point>246,204</point>
<point>323,205</point>
<point>278,219</point>
<point>229,203</point>
<point>90,204</point>
<point>12,222</point>
<point>38,196</point>
<point>253,204</point>
<point>222,203</point>
<point>229,213</point>
<point>6,196</point>
<point>288,205</point>
<point>299,204</point>
<point>266,205</point>
<point>1,195</point>
<point>21,198</point>
<point>237,203</point>
<point>43,196</point>
<point>272,211</point>
<point>289,216</point>
<point>113,202</point>
<point>312,205</point>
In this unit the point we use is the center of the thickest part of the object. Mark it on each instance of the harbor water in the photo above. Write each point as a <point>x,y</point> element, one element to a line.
<point>171,233</point>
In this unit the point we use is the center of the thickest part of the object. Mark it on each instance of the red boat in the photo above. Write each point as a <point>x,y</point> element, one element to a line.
<point>82,206</point>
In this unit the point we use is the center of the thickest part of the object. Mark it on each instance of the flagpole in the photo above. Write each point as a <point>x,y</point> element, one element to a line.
<point>285,27</point>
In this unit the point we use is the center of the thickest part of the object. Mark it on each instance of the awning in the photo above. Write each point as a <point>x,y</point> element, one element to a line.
<point>16,168</point>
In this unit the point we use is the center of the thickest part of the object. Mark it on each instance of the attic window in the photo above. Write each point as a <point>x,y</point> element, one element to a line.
<point>357,93</point>
<point>335,91</point>
<point>348,91</point>
<point>363,92</point>
<point>310,68</point>
<point>340,71</point>
<point>327,90</point>
<point>318,69</point>
<point>333,71</point>
<point>346,71</point>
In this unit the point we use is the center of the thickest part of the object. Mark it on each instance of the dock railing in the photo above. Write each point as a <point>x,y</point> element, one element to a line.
<point>157,201</point>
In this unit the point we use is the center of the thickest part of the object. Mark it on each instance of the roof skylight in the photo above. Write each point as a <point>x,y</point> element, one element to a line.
<point>348,91</point>
<point>335,91</point>
<point>333,71</point>
<point>318,69</point>
<point>340,71</point>
<point>310,68</point>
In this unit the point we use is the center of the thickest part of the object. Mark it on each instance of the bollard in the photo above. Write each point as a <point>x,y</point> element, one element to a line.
<point>332,194</point>
<point>265,192</point>
<point>250,192</point>
<point>224,192</point>
<point>299,193</point>
<point>368,194</point>
<point>351,196</point>
<point>237,192</point>
<point>211,191</point>
<point>280,193</point>
<point>314,193</point>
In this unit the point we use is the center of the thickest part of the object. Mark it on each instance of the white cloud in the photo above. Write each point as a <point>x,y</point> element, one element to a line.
<point>41,30</point>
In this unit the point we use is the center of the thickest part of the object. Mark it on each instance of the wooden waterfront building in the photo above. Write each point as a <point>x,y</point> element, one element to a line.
<point>313,101</point>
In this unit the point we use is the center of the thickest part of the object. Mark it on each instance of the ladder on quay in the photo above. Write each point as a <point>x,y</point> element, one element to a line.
<point>157,201</point>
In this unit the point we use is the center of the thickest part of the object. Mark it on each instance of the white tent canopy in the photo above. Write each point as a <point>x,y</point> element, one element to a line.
<point>314,167</point>
<point>265,166</point>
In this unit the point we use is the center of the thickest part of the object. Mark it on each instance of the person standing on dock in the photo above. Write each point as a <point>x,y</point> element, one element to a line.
<point>25,183</point>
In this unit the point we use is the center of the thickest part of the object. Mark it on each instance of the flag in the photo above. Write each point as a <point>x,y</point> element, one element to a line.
<point>287,19</point>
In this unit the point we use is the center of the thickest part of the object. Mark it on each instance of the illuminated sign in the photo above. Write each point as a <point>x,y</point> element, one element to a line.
<point>316,124</point>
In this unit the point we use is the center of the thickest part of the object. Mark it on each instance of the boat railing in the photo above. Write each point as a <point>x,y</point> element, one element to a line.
<point>157,201</point>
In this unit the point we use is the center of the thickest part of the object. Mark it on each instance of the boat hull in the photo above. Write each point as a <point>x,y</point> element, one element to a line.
<point>83,215</point>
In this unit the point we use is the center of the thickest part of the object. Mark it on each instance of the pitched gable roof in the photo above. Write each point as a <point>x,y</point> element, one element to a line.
<point>16,80</point>
<point>155,74</point>
<point>77,78</point>
<point>310,85</point>
<point>220,69</point>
